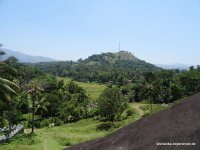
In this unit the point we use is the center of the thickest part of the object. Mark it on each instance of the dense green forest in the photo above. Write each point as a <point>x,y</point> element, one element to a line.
<point>31,93</point>
<point>117,68</point>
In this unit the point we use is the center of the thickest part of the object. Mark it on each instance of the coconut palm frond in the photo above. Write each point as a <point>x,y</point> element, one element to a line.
<point>9,83</point>
<point>4,97</point>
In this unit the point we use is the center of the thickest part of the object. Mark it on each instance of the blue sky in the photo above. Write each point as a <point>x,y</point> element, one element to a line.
<point>157,31</point>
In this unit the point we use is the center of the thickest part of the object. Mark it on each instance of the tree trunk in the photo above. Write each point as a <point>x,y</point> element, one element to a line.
<point>113,124</point>
<point>33,114</point>
<point>10,124</point>
<point>29,116</point>
<point>151,109</point>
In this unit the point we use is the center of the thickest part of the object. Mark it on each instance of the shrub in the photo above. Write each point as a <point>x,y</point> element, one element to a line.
<point>105,126</point>
<point>93,112</point>
<point>25,139</point>
<point>26,124</point>
<point>111,104</point>
<point>56,121</point>
<point>41,123</point>
<point>44,123</point>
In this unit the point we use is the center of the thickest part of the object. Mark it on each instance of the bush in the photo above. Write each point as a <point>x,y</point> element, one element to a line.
<point>56,121</point>
<point>44,123</point>
<point>25,139</point>
<point>41,123</point>
<point>111,104</point>
<point>47,122</point>
<point>105,126</point>
<point>93,112</point>
<point>129,112</point>
<point>26,124</point>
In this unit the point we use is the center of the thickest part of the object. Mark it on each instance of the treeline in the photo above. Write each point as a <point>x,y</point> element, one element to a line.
<point>165,86</point>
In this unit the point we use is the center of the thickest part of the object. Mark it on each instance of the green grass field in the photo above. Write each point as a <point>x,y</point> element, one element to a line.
<point>93,89</point>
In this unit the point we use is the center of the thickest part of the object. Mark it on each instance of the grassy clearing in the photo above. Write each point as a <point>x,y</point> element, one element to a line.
<point>57,138</point>
<point>93,89</point>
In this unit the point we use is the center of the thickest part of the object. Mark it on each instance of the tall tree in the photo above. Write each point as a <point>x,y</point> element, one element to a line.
<point>151,88</point>
<point>34,89</point>
<point>150,92</point>
<point>7,87</point>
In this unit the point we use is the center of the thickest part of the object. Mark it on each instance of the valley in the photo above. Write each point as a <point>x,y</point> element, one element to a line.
<point>62,104</point>
<point>99,75</point>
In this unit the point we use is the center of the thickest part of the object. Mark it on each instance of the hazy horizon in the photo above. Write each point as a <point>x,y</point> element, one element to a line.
<point>170,65</point>
<point>159,32</point>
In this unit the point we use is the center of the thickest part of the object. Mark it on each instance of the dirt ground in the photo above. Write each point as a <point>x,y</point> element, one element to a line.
<point>177,128</point>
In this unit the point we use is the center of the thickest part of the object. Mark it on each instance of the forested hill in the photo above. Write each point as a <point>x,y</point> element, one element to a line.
<point>117,67</point>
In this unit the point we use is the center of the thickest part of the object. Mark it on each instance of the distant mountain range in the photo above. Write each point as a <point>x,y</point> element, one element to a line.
<point>174,66</point>
<point>24,57</point>
<point>120,56</point>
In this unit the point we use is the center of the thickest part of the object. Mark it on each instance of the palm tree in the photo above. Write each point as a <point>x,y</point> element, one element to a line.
<point>41,106</point>
<point>34,89</point>
<point>151,88</point>
<point>7,87</point>
<point>151,91</point>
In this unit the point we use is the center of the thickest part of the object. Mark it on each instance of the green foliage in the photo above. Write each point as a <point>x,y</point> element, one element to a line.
<point>8,90</point>
<point>176,92</point>
<point>74,103</point>
<point>41,106</point>
<point>190,81</point>
<point>24,139</point>
<point>43,123</point>
<point>27,72</point>
<point>119,68</point>
<point>94,90</point>
<point>71,133</point>
<point>65,101</point>
<point>111,104</point>
<point>54,101</point>
<point>34,89</point>
<point>24,101</point>
<point>13,115</point>
<point>56,121</point>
